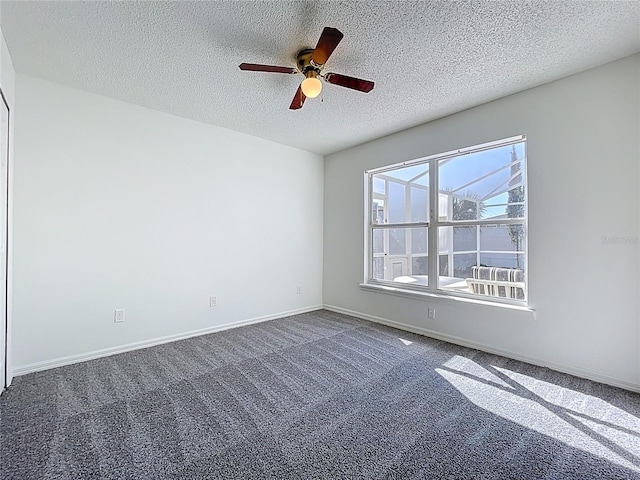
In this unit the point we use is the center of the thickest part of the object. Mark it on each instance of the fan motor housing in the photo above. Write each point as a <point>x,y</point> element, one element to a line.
<point>304,63</point>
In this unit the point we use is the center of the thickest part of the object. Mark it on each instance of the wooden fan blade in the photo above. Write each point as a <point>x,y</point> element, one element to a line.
<point>328,42</point>
<point>354,83</point>
<point>255,67</point>
<point>298,99</point>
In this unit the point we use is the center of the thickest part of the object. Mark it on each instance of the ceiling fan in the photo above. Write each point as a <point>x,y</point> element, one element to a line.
<point>310,62</point>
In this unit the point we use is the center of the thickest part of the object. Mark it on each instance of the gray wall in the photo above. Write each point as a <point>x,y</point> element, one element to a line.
<point>583,156</point>
<point>119,206</point>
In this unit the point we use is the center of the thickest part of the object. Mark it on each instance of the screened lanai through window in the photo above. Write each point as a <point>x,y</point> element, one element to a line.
<point>477,224</point>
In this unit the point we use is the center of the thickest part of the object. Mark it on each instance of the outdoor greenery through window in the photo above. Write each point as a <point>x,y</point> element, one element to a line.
<point>469,206</point>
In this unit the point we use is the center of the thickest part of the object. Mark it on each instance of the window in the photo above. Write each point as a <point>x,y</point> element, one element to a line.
<point>453,223</point>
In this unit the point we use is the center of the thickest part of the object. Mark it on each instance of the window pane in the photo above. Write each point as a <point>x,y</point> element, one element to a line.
<point>378,185</point>
<point>454,279</point>
<point>483,185</point>
<point>378,241</point>
<point>462,264</point>
<point>400,255</point>
<point>502,260</point>
<point>419,240</point>
<point>491,268</point>
<point>445,239</point>
<point>378,268</point>
<point>397,203</point>
<point>452,264</point>
<point>465,238</point>
<point>417,173</point>
<point>419,266</point>
<point>377,211</point>
<point>404,195</point>
<point>397,241</point>
<point>443,265</point>
<point>419,205</point>
<point>515,205</point>
<point>504,238</point>
<point>444,207</point>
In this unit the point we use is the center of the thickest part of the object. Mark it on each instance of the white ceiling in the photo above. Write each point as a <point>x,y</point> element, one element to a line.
<point>428,59</point>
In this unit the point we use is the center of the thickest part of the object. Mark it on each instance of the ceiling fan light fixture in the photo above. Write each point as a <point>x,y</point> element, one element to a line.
<point>310,62</point>
<point>311,86</point>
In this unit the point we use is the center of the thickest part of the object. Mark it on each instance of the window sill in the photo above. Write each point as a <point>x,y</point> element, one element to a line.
<point>404,292</point>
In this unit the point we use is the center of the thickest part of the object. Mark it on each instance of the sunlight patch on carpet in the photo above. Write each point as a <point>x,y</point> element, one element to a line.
<point>531,410</point>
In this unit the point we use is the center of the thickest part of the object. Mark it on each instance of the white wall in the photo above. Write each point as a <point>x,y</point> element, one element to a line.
<point>119,206</point>
<point>583,157</point>
<point>7,83</point>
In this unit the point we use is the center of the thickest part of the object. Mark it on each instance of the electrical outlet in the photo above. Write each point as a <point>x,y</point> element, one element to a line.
<point>431,313</point>
<point>213,302</point>
<point>298,290</point>
<point>118,316</point>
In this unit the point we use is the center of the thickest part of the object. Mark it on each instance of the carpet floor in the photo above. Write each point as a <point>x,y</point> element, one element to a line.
<point>315,396</point>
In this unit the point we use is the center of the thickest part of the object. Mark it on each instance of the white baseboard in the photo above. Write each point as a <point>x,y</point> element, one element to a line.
<point>59,362</point>
<point>83,357</point>
<point>578,372</point>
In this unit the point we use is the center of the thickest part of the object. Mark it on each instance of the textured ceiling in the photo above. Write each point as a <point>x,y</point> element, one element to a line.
<point>428,59</point>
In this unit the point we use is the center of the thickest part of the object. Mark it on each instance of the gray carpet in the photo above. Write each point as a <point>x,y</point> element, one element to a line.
<point>315,396</point>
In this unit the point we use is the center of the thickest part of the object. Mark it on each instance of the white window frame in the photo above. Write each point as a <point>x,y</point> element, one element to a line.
<point>434,223</point>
